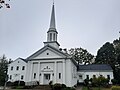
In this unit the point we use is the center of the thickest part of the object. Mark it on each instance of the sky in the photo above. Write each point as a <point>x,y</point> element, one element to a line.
<point>80,23</point>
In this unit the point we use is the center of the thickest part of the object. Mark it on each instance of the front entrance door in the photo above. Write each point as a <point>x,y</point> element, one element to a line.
<point>46,78</point>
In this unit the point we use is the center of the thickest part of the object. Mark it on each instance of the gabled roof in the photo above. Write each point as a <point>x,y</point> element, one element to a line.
<point>94,67</point>
<point>19,59</point>
<point>47,47</point>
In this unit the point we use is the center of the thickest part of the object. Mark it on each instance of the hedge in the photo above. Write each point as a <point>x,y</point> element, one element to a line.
<point>115,88</point>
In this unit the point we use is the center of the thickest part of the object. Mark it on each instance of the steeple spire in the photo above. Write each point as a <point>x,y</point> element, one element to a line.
<point>52,21</point>
<point>52,32</point>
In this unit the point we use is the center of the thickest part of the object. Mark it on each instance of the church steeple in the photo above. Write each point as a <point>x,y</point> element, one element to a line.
<point>52,21</point>
<point>52,32</point>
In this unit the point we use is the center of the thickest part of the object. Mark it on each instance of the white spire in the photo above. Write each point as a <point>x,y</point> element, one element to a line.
<point>52,32</point>
<point>52,21</point>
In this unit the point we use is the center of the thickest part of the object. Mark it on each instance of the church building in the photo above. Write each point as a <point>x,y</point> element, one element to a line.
<point>50,63</point>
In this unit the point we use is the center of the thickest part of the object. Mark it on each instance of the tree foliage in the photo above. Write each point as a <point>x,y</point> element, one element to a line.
<point>3,69</point>
<point>99,81</point>
<point>109,53</point>
<point>82,56</point>
<point>3,3</point>
<point>106,54</point>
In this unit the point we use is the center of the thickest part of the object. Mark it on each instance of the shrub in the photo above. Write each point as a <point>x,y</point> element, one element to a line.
<point>114,81</point>
<point>115,88</point>
<point>51,83</point>
<point>63,86</point>
<point>20,83</point>
<point>86,82</point>
<point>57,86</point>
<point>9,83</point>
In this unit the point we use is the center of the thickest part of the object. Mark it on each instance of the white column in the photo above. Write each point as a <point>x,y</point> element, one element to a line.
<point>63,71</point>
<point>55,72</point>
<point>51,76</point>
<point>38,71</point>
<point>42,78</point>
<point>31,71</point>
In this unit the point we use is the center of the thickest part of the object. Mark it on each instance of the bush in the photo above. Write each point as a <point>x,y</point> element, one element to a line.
<point>19,83</point>
<point>57,86</point>
<point>114,81</point>
<point>115,88</point>
<point>100,81</point>
<point>9,83</point>
<point>63,86</point>
<point>86,82</point>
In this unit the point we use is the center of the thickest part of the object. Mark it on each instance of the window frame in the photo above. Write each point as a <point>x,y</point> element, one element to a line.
<point>23,67</point>
<point>17,68</point>
<point>11,68</point>
<point>59,75</point>
<point>22,77</point>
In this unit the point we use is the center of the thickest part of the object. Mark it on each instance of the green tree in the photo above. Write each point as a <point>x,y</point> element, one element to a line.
<point>106,55</point>
<point>109,53</point>
<point>3,69</point>
<point>3,3</point>
<point>116,44</point>
<point>82,56</point>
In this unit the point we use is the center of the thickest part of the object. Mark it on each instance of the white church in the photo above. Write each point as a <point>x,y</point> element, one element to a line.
<point>50,63</point>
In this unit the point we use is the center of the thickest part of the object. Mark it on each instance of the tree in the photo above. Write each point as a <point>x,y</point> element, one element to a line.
<point>82,56</point>
<point>116,44</point>
<point>3,3</point>
<point>109,53</point>
<point>100,81</point>
<point>3,69</point>
<point>106,55</point>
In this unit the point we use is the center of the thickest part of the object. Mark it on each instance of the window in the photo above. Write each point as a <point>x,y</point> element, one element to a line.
<point>23,68</point>
<point>17,68</point>
<point>10,77</point>
<point>94,76</point>
<point>87,76</point>
<point>47,76</point>
<point>34,75</point>
<point>54,36</point>
<point>59,75</point>
<point>47,53</point>
<point>22,77</point>
<point>50,36</point>
<point>108,76</point>
<point>11,68</point>
<point>80,76</point>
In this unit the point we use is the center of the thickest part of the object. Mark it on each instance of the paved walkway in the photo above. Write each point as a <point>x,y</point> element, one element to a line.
<point>79,88</point>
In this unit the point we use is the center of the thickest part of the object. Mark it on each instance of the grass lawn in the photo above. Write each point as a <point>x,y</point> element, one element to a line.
<point>96,88</point>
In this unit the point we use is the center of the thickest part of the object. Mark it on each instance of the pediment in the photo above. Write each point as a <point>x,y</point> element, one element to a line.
<point>47,52</point>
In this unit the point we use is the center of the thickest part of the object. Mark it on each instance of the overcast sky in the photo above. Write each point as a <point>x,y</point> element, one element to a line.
<point>80,23</point>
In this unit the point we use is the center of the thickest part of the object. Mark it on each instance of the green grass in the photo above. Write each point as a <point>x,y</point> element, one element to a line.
<point>96,88</point>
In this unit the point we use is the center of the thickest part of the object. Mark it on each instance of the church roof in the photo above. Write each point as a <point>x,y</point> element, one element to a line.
<point>94,67</point>
<point>47,47</point>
